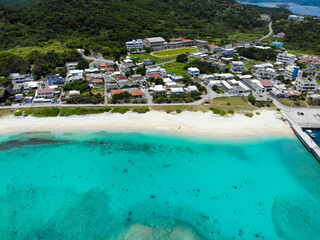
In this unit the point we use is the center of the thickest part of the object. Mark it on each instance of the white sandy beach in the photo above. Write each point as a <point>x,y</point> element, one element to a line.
<point>186,123</point>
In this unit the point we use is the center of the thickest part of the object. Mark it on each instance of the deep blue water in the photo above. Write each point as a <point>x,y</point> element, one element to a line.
<point>102,185</point>
<point>317,136</point>
<point>296,9</point>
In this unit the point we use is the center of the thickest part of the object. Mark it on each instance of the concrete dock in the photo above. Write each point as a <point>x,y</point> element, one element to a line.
<point>307,120</point>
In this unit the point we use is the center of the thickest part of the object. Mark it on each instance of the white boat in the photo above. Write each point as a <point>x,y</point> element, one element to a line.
<point>310,133</point>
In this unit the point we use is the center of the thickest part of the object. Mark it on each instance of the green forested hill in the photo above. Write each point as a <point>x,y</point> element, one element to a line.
<point>97,23</point>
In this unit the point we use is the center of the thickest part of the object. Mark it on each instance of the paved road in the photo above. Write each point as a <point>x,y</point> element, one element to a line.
<point>269,34</point>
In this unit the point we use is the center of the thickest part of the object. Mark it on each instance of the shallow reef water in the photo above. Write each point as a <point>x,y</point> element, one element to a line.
<point>101,185</point>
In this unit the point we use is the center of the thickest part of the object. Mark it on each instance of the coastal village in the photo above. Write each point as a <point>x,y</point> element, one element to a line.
<point>117,123</point>
<point>189,71</point>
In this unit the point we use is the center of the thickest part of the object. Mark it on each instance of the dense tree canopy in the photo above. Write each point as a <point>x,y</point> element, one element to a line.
<point>95,24</point>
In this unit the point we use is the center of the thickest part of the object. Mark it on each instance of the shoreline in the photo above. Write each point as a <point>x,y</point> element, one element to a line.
<point>198,124</point>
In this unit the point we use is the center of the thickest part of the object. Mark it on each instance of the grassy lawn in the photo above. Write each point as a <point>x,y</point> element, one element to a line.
<point>247,37</point>
<point>292,103</point>
<point>5,112</point>
<point>175,67</point>
<point>96,91</point>
<point>250,63</point>
<point>233,103</point>
<point>46,47</point>
<point>174,52</point>
<point>156,60</point>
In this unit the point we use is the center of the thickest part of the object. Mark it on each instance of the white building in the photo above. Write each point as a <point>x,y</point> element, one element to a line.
<point>177,90</point>
<point>296,17</point>
<point>71,66</point>
<point>286,58</point>
<point>45,93</point>
<point>193,71</point>
<point>75,74</point>
<point>158,89</point>
<point>155,43</point>
<point>74,93</point>
<point>255,85</point>
<point>177,78</point>
<point>267,73</point>
<point>134,44</point>
<point>159,70</point>
<point>237,66</point>
<point>291,72</point>
<point>191,89</point>
<point>304,85</point>
<point>147,62</point>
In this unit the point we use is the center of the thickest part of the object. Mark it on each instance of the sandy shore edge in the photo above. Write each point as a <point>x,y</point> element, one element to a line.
<point>268,123</point>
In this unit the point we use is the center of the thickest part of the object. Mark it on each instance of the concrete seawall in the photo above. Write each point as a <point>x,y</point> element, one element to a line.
<point>304,138</point>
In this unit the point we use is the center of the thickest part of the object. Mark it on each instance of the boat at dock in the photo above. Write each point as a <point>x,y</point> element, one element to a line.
<point>310,133</point>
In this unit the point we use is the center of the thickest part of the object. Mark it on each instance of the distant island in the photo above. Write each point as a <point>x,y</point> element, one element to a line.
<point>301,2</point>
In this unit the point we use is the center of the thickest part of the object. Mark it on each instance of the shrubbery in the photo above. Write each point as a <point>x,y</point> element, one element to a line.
<point>65,112</point>
<point>141,110</point>
<point>83,99</point>
<point>250,115</point>
<point>121,110</point>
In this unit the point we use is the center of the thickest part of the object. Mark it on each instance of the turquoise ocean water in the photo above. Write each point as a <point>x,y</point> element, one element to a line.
<point>100,185</point>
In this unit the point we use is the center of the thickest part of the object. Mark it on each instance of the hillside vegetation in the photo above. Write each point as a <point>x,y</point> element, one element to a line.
<point>303,36</point>
<point>99,23</point>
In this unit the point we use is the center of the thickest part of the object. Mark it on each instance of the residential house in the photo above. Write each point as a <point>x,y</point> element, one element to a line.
<point>215,48</point>
<point>223,76</point>
<point>17,78</point>
<point>155,43</point>
<point>117,91</point>
<point>71,66</point>
<point>137,93</point>
<point>177,90</point>
<point>237,66</point>
<point>73,93</point>
<point>7,94</point>
<point>277,93</point>
<point>54,79</point>
<point>191,89</point>
<point>158,89</point>
<point>228,51</point>
<point>97,81</point>
<point>286,58</point>
<point>109,70</point>
<point>45,93</point>
<point>158,70</point>
<point>281,35</point>
<point>125,67</point>
<point>134,44</point>
<point>219,65</point>
<point>176,78</point>
<point>147,62</point>
<point>291,72</point>
<point>255,85</point>
<point>74,75</point>
<point>266,73</point>
<point>278,44</point>
<point>155,75</point>
<point>267,84</point>
<point>193,71</point>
